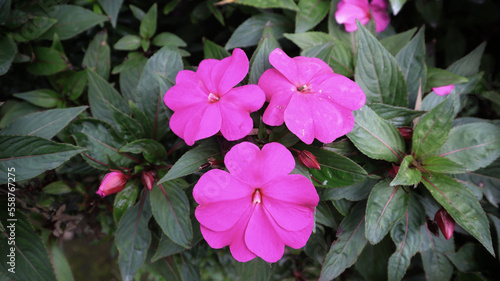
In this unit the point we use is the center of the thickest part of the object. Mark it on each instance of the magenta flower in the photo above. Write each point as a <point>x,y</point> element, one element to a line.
<point>444,90</point>
<point>350,10</point>
<point>112,183</point>
<point>257,208</point>
<point>204,102</point>
<point>309,98</point>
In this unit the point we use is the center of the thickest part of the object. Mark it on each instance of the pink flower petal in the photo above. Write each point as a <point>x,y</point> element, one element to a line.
<point>444,90</point>
<point>381,18</point>
<point>197,122</point>
<point>295,189</point>
<point>285,65</point>
<point>248,98</point>
<point>220,186</point>
<point>342,91</point>
<point>230,71</point>
<point>261,238</point>
<point>236,122</point>
<point>241,162</point>
<point>204,72</point>
<point>294,239</point>
<point>380,4</point>
<point>311,67</point>
<point>221,216</point>
<point>276,161</point>
<point>289,216</point>
<point>272,82</point>
<point>181,97</point>
<point>352,10</point>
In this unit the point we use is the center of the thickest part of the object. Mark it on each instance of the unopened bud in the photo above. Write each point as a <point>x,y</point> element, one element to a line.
<point>112,183</point>
<point>445,223</point>
<point>406,132</point>
<point>308,159</point>
<point>147,180</point>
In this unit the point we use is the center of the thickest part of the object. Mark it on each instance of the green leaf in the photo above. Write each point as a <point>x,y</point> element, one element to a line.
<point>335,54</point>
<point>192,160</point>
<point>127,127</point>
<point>33,28</point>
<point>142,119</point>
<point>157,77</point>
<point>431,132</point>
<point>214,51</point>
<point>98,55</point>
<point>128,43</point>
<point>133,238</point>
<point>31,261</point>
<point>468,65</point>
<point>266,4</point>
<point>496,223</point>
<point>138,13</point>
<point>254,270</point>
<point>372,262</point>
<point>461,205</point>
<point>45,98</point>
<point>130,74</point>
<point>385,206</point>
<point>8,53</point>
<point>170,6</point>
<point>407,175</point>
<point>60,263</point>
<point>101,93</point>
<point>348,246</point>
<point>74,86</point>
<point>148,23</point>
<point>4,11</point>
<point>45,124</point>
<point>433,252</point>
<point>355,192</point>
<point>375,137</point>
<point>153,151</point>
<point>250,31</point>
<point>489,179</point>
<point>336,170</point>
<point>56,188</point>
<point>470,258</point>
<point>112,8</point>
<point>307,40</point>
<point>406,235</point>
<point>378,73</point>
<point>411,60</point>
<point>71,20</point>
<point>440,164</point>
<point>102,142</point>
<point>437,77</point>
<point>310,13</point>
<point>396,6</point>
<point>260,58</point>
<point>396,42</point>
<point>473,146</point>
<point>13,109</point>
<point>166,248</point>
<point>48,61</point>
<point>398,116</point>
<point>125,199</point>
<point>170,207</point>
<point>168,39</point>
<point>32,155</point>
<point>215,11</point>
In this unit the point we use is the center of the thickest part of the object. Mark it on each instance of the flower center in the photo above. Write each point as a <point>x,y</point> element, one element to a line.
<point>256,198</point>
<point>305,89</point>
<point>213,98</point>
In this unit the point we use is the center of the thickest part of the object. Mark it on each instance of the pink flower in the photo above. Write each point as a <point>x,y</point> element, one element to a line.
<point>444,90</point>
<point>204,102</point>
<point>350,10</point>
<point>309,98</point>
<point>112,183</point>
<point>257,208</point>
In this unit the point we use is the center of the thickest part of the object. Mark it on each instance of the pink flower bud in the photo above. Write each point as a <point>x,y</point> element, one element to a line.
<point>445,223</point>
<point>406,132</point>
<point>112,183</point>
<point>308,159</point>
<point>147,180</point>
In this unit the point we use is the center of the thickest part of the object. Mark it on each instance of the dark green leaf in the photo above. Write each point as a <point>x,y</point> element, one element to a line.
<point>60,263</point>
<point>378,73</point>
<point>437,77</point>
<point>307,40</point>
<point>45,124</point>
<point>125,198</point>
<point>189,271</point>
<point>323,215</point>
<point>127,127</point>
<point>74,86</point>
<point>396,42</point>
<point>407,174</point>
<point>310,13</point>
<point>316,246</point>
<point>348,246</point>
<point>57,187</point>
<point>138,13</point>
<point>411,60</point>
<point>31,260</point>
<point>157,77</point>
<point>343,206</point>
<point>396,6</point>
<point>266,4</point>
<point>375,137</point>
<point>386,205</point>
<point>496,223</point>
<point>4,11</point>
<point>128,43</point>
<point>433,252</point>
<point>168,39</point>
<point>214,51</point>
<point>461,205</point>
<point>192,160</point>
<point>468,65</point>
<point>372,263</point>
<point>488,178</point>
<point>148,23</point>
<point>130,74</point>
<point>141,118</point>
<point>335,54</point>
<point>98,55</point>
<point>170,207</point>
<point>166,248</point>
<point>33,28</point>
<point>442,165</point>
<point>112,8</point>
<point>32,155</point>
<point>473,146</point>
<point>470,277</point>
<point>153,151</point>
<point>133,238</point>
<point>470,258</point>
<point>254,270</point>
<point>48,61</point>
<point>250,31</point>
<point>8,53</point>
<point>71,20</point>
<point>45,98</point>
<point>431,132</point>
<point>355,192</point>
<point>260,58</point>
<point>398,116</point>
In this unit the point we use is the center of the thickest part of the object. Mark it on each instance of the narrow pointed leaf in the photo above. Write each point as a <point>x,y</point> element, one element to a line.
<point>260,58</point>
<point>440,164</point>
<point>407,174</point>
<point>433,252</point>
<point>396,5</point>
<point>166,248</point>
<point>48,61</point>
<point>101,93</point>
<point>396,42</point>
<point>9,50</point>
<point>398,116</point>
<point>213,51</point>
<point>148,23</point>
<point>335,54</point>
<point>437,77</point>
<point>112,8</point>
<point>310,13</point>
<point>468,65</point>
<point>60,263</point>
<point>489,179</point>
<point>98,55</point>
<point>129,128</point>
<point>355,192</point>
<point>45,98</point>
<point>309,39</point>
<point>372,262</point>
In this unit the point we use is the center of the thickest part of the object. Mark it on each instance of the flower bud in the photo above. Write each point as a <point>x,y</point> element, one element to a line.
<point>445,223</point>
<point>147,180</point>
<point>112,183</point>
<point>406,132</point>
<point>308,159</point>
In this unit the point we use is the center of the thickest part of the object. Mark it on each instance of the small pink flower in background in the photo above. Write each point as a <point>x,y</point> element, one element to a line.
<point>204,102</point>
<point>257,208</point>
<point>444,90</point>
<point>112,183</point>
<point>309,98</point>
<point>350,10</point>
